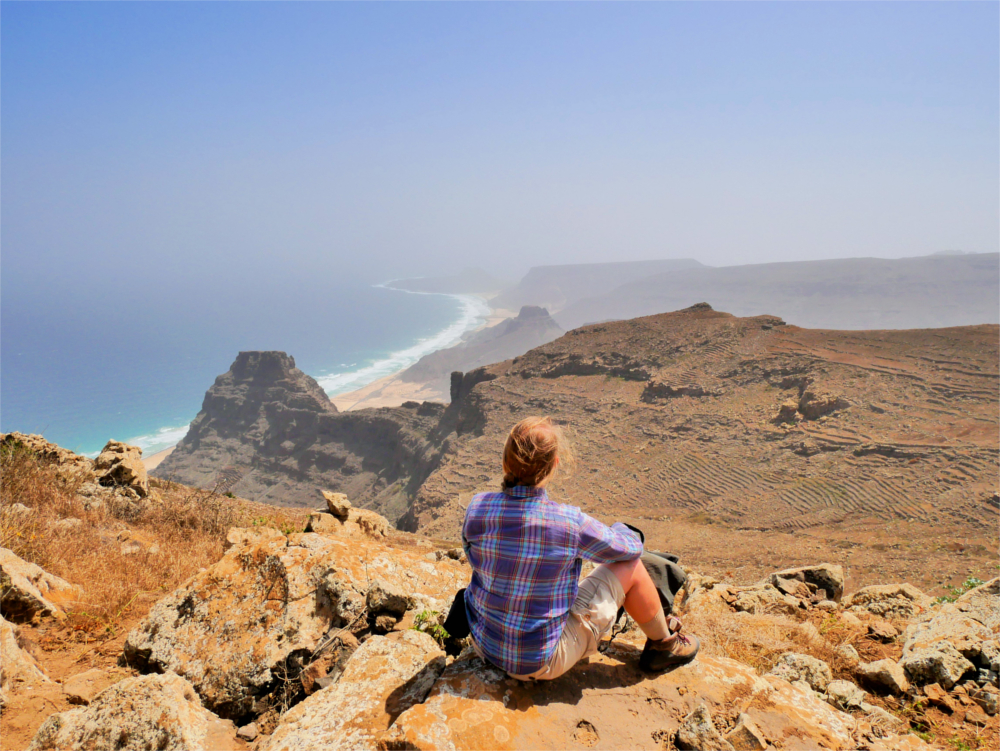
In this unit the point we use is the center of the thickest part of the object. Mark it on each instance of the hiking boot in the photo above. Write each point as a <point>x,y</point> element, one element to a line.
<point>676,649</point>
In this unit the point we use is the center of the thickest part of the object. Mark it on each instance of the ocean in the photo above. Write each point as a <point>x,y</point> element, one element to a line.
<point>83,376</point>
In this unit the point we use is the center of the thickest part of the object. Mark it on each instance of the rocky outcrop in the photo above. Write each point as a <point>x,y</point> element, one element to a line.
<point>27,590</point>
<point>267,431</point>
<point>474,705</point>
<point>19,670</point>
<point>385,677</point>
<point>120,465</point>
<point>150,712</point>
<point>72,466</point>
<point>243,630</point>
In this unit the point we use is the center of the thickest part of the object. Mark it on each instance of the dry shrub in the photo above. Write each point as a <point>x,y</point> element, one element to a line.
<point>757,640</point>
<point>180,531</point>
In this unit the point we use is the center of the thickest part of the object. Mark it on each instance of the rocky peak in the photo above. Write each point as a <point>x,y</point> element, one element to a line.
<point>532,311</point>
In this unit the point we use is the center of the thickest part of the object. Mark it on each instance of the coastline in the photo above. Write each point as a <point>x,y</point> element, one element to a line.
<point>388,390</point>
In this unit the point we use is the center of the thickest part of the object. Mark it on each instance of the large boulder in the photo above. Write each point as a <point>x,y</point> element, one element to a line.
<point>27,590</point>
<point>70,466</point>
<point>244,628</point>
<point>120,465</point>
<point>150,712</point>
<point>386,676</point>
<point>19,671</point>
<point>941,664</point>
<point>609,703</point>
<point>890,601</point>
<point>955,639</point>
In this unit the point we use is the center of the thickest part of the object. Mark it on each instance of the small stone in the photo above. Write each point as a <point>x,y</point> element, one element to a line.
<point>746,736</point>
<point>65,526</point>
<point>845,695</point>
<point>698,733</point>
<point>976,716</point>
<point>849,653</point>
<point>882,630</point>
<point>850,619</point>
<point>382,599</point>
<point>338,504</point>
<point>827,605</point>
<point>883,716</point>
<point>885,674</point>
<point>986,676</point>
<point>248,732</point>
<point>988,699</point>
<point>939,698</point>
<point>794,667</point>
<point>83,687</point>
<point>384,624</point>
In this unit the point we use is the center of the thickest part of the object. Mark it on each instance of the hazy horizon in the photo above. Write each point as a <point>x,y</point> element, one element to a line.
<point>246,145</point>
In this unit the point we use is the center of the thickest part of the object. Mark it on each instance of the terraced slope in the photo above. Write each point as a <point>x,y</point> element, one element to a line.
<point>748,424</point>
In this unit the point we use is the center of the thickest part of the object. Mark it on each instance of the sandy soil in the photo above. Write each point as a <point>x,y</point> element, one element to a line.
<point>391,391</point>
<point>153,460</point>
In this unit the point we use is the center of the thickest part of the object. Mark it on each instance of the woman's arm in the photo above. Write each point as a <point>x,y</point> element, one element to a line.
<point>604,544</point>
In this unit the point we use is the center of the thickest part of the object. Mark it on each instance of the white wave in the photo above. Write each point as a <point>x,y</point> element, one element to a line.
<point>474,312</point>
<point>163,438</point>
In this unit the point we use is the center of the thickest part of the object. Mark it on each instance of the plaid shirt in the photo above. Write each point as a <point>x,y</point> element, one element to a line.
<point>526,552</point>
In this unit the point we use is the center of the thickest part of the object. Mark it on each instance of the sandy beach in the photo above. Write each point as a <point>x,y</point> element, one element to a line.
<point>390,391</point>
<point>153,460</point>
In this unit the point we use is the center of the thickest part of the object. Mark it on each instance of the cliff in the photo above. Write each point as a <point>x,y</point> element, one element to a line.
<point>555,287</point>
<point>267,431</point>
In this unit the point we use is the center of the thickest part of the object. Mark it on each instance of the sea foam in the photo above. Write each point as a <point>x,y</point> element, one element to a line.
<point>163,438</point>
<point>473,313</point>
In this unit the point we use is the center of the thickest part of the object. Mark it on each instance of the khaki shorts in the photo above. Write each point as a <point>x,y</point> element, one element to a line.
<point>590,619</point>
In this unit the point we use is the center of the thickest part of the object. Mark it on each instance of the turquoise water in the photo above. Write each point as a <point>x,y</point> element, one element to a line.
<point>90,369</point>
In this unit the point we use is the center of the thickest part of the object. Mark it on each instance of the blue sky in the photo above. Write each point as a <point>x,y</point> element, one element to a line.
<point>184,142</point>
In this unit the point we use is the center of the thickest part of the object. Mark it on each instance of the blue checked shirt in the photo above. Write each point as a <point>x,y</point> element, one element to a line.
<point>526,552</point>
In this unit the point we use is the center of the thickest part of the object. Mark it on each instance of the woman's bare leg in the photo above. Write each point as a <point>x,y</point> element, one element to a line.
<point>642,601</point>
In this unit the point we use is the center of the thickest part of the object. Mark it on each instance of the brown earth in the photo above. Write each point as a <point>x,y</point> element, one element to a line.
<point>742,444</point>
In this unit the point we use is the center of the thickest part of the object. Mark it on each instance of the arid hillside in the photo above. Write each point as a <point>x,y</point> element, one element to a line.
<point>745,441</point>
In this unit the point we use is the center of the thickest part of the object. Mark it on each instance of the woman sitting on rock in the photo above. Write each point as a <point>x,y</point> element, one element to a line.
<point>528,611</point>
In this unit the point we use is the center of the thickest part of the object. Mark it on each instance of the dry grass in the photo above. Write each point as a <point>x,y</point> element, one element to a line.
<point>181,531</point>
<point>759,639</point>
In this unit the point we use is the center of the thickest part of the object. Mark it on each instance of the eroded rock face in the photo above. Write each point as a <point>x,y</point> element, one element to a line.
<point>386,676</point>
<point>243,628</point>
<point>19,671</point>
<point>474,705</point>
<point>120,465</point>
<point>27,590</point>
<point>150,712</point>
